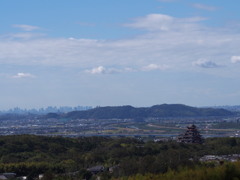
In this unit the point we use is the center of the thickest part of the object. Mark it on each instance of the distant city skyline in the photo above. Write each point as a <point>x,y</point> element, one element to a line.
<point>45,110</point>
<point>110,53</point>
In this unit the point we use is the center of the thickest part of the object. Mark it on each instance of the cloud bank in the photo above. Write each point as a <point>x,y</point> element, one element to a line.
<point>168,42</point>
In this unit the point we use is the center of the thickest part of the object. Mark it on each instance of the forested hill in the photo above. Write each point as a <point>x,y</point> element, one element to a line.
<point>69,158</point>
<point>164,110</point>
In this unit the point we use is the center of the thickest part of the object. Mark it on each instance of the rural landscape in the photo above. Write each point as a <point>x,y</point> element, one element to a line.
<point>123,142</point>
<point>166,120</point>
<point>119,90</point>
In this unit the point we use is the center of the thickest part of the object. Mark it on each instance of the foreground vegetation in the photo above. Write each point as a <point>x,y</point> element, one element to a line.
<point>229,171</point>
<point>69,158</point>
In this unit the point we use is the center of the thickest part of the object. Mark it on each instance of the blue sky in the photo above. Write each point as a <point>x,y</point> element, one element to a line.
<point>128,52</point>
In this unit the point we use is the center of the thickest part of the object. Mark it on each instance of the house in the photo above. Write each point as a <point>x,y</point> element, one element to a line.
<point>96,169</point>
<point>40,176</point>
<point>212,158</point>
<point>161,140</point>
<point>2,177</point>
<point>22,178</point>
<point>7,176</point>
<point>111,169</point>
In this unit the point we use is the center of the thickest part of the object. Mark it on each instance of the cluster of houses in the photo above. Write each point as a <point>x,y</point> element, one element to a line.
<point>94,170</point>
<point>220,158</point>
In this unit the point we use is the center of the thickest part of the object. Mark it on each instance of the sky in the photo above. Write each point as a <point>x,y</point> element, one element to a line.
<point>110,53</point>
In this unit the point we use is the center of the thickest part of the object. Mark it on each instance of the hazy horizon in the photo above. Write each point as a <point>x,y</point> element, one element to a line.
<point>90,107</point>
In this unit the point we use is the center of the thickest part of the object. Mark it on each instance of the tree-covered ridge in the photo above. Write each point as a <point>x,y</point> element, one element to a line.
<point>31,155</point>
<point>164,110</point>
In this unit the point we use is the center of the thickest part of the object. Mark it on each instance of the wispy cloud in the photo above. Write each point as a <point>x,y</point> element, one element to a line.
<point>26,27</point>
<point>156,22</point>
<point>153,67</point>
<point>204,7</point>
<point>203,63</point>
<point>23,75</point>
<point>235,59</point>
<point>103,70</point>
<point>23,36</point>
<point>152,22</point>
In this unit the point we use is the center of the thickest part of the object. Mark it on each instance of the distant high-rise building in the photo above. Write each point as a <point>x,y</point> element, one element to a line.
<point>191,135</point>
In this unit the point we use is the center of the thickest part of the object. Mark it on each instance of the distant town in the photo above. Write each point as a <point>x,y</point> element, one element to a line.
<point>64,121</point>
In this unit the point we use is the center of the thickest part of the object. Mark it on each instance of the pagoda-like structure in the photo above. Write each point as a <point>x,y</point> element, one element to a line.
<point>191,135</point>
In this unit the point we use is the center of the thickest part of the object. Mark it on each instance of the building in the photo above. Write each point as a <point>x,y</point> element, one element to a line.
<point>96,169</point>
<point>220,158</point>
<point>4,176</point>
<point>191,135</point>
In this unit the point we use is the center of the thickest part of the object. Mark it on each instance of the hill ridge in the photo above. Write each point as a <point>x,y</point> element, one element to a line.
<point>155,111</point>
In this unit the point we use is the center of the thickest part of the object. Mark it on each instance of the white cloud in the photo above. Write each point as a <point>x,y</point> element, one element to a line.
<point>25,27</point>
<point>104,70</point>
<point>235,59</point>
<point>204,7</point>
<point>205,64</point>
<point>152,67</point>
<point>97,70</point>
<point>162,22</point>
<point>153,22</point>
<point>23,75</point>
